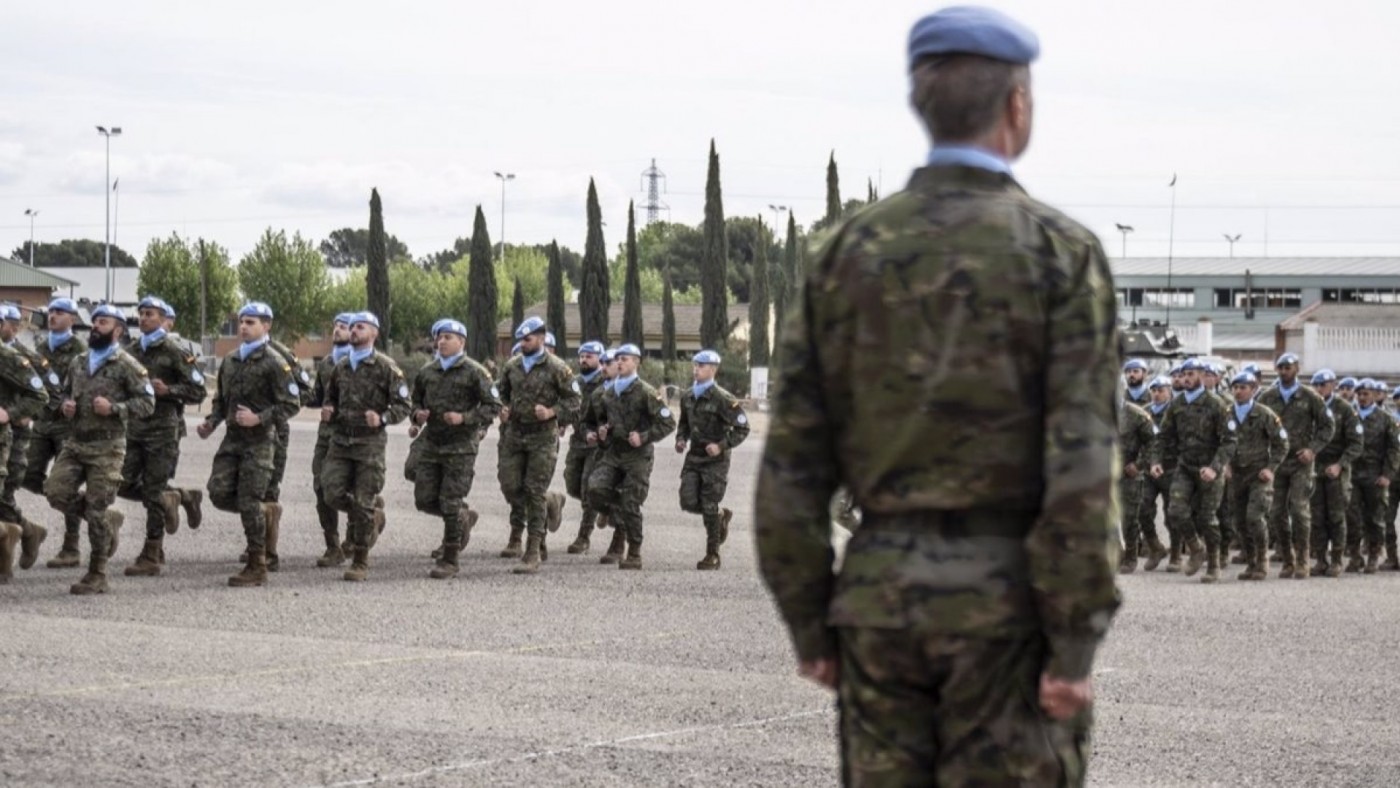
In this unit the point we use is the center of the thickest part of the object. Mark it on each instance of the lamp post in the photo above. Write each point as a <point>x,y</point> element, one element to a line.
<point>31,213</point>
<point>1124,229</point>
<point>504,176</point>
<point>115,131</point>
<point>1231,240</point>
<point>777,210</point>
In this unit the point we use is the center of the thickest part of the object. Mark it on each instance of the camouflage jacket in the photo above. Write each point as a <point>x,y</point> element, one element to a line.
<point>955,348</point>
<point>1141,399</point>
<point>549,382</point>
<point>1198,434</point>
<point>375,384</point>
<point>263,383</point>
<point>60,361</point>
<point>324,368</point>
<point>166,361</point>
<point>1347,438</point>
<point>1380,450</point>
<point>299,373</point>
<point>1137,437</point>
<point>1307,418</point>
<point>716,416</point>
<point>465,388</point>
<point>121,380</point>
<point>22,391</point>
<point>53,384</point>
<point>1262,441</point>
<point>640,409</point>
<point>587,391</point>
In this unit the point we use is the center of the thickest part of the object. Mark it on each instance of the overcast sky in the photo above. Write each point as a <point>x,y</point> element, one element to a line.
<point>1280,118</point>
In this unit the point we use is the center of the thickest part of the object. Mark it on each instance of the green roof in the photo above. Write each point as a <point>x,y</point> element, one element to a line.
<point>14,274</point>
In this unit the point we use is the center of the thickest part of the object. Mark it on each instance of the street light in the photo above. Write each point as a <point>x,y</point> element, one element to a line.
<point>507,176</point>
<point>777,211</point>
<point>115,131</point>
<point>1231,239</point>
<point>1124,229</point>
<point>31,213</point>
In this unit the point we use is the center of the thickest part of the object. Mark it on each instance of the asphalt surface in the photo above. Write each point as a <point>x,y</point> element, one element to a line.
<point>587,675</point>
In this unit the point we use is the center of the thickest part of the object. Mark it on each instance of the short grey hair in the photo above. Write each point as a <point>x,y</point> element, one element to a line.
<point>960,97</point>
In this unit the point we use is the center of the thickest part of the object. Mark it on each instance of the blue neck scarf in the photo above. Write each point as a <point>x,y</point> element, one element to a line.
<point>1194,394</point>
<point>150,339</point>
<point>531,359</point>
<point>56,339</point>
<point>1158,407</point>
<point>246,349</point>
<point>1288,391</point>
<point>1366,412</point>
<point>449,361</point>
<point>700,388</point>
<point>967,156</point>
<point>1136,392</point>
<point>356,356</point>
<point>621,384</point>
<point>96,358</point>
<point>609,383</point>
<point>1242,411</point>
<point>589,377</point>
<point>340,351</point>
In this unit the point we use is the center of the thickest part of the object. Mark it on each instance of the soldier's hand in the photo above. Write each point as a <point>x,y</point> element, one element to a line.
<point>1208,475</point>
<point>327,413</point>
<point>1334,470</point>
<point>421,416</point>
<point>543,414</point>
<point>1061,699</point>
<point>634,440</point>
<point>1229,474</point>
<point>453,418</point>
<point>160,387</point>
<point>1156,471</point>
<point>603,433</point>
<point>1130,470</point>
<point>102,406</point>
<point>1383,481</point>
<point>69,408</point>
<point>1266,476</point>
<point>825,671</point>
<point>26,423</point>
<point>4,416</point>
<point>413,430</point>
<point>1305,456</point>
<point>204,430</point>
<point>591,439</point>
<point>505,415</point>
<point>680,446</point>
<point>245,417</point>
<point>713,449</point>
<point>372,419</point>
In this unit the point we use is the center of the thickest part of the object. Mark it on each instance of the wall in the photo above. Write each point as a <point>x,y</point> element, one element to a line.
<point>1360,352</point>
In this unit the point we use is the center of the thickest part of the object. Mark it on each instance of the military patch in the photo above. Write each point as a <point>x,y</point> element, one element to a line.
<point>53,379</point>
<point>742,419</point>
<point>403,390</point>
<point>303,377</point>
<point>294,389</point>
<point>35,383</point>
<point>576,388</point>
<point>495,392</point>
<point>196,377</point>
<point>1156,431</point>
<point>665,413</point>
<point>1360,430</point>
<point>1329,413</point>
<point>1283,433</point>
<point>1231,425</point>
<point>150,391</point>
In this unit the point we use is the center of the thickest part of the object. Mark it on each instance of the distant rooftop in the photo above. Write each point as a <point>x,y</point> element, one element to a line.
<point>14,273</point>
<point>1345,316</point>
<point>1258,266</point>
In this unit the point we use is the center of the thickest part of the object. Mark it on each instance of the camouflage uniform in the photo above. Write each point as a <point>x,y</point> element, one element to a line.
<point>325,513</point>
<point>1195,435</point>
<point>1153,489</point>
<point>1331,496</point>
<point>93,451</point>
<point>529,448</point>
<point>621,476</point>
<point>1380,457</point>
<point>1137,446</point>
<point>49,432</point>
<point>715,416</point>
<point>581,458</point>
<point>1262,446</point>
<point>23,396</point>
<point>22,430</point>
<point>953,361</point>
<point>1310,426</point>
<point>284,427</point>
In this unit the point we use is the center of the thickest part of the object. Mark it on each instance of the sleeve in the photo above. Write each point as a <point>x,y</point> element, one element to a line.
<point>1278,444</point>
<point>1325,425</point>
<point>566,408</point>
<point>399,405</point>
<point>30,394</point>
<point>418,397</point>
<point>1072,547</point>
<point>1166,439</point>
<point>1147,449</point>
<point>286,393</point>
<point>1229,440</point>
<point>683,423</point>
<point>318,386</point>
<point>488,405</point>
<point>503,385</point>
<point>663,421</point>
<point>189,387</point>
<point>1392,451</point>
<point>1356,438</point>
<point>738,424</point>
<point>218,408</point>
<point>140,397</point>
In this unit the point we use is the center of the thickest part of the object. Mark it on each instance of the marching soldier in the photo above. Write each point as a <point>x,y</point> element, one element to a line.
<point>581,457</point>
<point>325,513</point>
<point>284,427</point>
<point>1154,488</point>
<point>1135,378</point>
<point>32,534</point>
<point>1310,425</point>
<point>22,397</point>
<point>1137,446</point>
<point>59,347</point>
<point>1346,390</point>
<point>1371,475</point>
<point>1332,489</point>
<point>1262,446</point>
<point>592,417</point>
<point>712,422</point>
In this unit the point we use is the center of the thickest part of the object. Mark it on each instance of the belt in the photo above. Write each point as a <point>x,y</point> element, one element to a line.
<point>1012,523</point>
<point>358,430</point>
<point>96,436</point>
<point>534,426</point>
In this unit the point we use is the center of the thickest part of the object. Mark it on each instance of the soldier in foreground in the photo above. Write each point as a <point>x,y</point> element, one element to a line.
<point>579,460</point>
<point>32,534</point>
<point>900,380</point>
<point>59,347</point>
<point>255,389</point>
<point>105,389</point>
<point>712,423</point>
<point>592,416</point>
<point>22,396</point>
<point>1262,446</point>
<point>1332,489</point>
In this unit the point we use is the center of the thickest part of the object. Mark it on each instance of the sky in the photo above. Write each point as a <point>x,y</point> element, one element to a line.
<point>1278,119</point>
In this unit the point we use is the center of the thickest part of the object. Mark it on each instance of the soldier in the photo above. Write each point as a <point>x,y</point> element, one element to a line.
<point>553,501</point>
<point>191,498</point>
<point>284,427</point>
<point>1392,559</point>
<point>22,397</point>
<point>1310,426</point>
<point>1155,488</point>
<point>1346,389</point>
<point>325,513</point>
<point>579,461</point>
<point>32,534</point>
<point>1135,376</point>
<point>978,438</point>
<point>1137,446</point>
<point>540,394</point>
<point>1371,475</point>
<point>712,422</point>
<point>255,389</point>
<point>1178,383</point>
<point>105,389</point>
<point>366,393</point>
<point>59,347</point>
<point>637,418</point>
<point>1332,489</point>
<point>153,443</point>
<point>592,416</point>
<point>1262,446</point>
<point>453,399</point>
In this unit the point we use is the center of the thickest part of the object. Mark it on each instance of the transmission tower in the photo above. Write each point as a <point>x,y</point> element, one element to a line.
<point>654,181</point>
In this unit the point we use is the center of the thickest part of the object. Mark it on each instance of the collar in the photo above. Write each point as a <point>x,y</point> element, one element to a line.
<point>96,358</point>
<point>356,356</point>
<point>247,348</point>
<point>56,339</point>
<point>589,377</point>
<point>622,384</point>
<point>1242,411</point>
<point>340,351</point>
<point>1158,407</point>
<point>150,339</point>
<point>967,156</point>
<point>1194,394</point>
<point>1136,392</point>
<point>447,363</point>
<point>1366,412</point>
<point>1288,391</point>
<point>533,359</point>
<point>699,389</point>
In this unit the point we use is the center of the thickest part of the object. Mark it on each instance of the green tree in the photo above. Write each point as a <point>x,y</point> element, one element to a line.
<point>349,294</point>
<point>442,261</point>
<point>172,269</point>
<point>673,247</point>
<point>569,260</point>
<point>714,306</point>
<point>377,270</point>
<point>481,293</point>
<point>594,295</point>
<point>73,253</point>
<point>758,303</point>
<point>668,327</point>
<point>632,293</point>
<point>554,313</point>
<point>348,247</point>
<point>517,305</point>
<point>785,296</point>
<point>529,267</point>
<point>420,298</point>
<point>833,193</point>
<point>290,276</point>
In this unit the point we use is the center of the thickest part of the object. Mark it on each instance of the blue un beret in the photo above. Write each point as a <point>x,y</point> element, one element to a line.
<point>595,347</point>
<point>10,312</point>
<point>515,349</point>
<point>1366,384</point>
<point>256,309</point>
<point>1244,378</point>
<point>1160,382</point>
<point>1251,368</point>
<point>1347,383</point>
<point>1135,363</point>
<point>531,325</point>
<point>1323,376</point>
<point>549,339</point>
<point>1287,358</point>
<point>972,30</point>
<point>365,317</point>
<point>628,349</point>
<point>63,305</point>
<point>449,326</point>
<point>1193,364</point>
<point>706,357</point>
<point>606,357</point>
<point>345,318</point>
<point>151,302</point>
<point>107,310</point>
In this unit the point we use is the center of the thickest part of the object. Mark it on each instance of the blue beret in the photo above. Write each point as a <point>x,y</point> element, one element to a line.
<point>532,325</point>
<point>1323,376</point>
<point>1215,369</point>
<point>628,349</point>
<point>515,349</point>
<point>365,317</point>
<point>1379,385</point>
<point>706,357</point>
<point>1251,368</point>
<point>1366,384</point>
<point>256,309</point>
<point>1160,382</point>
<point>972,30</point>
<point>606,357</point>
<point>449,326</point>
<point>1244,378</point>
<point>151,302</point>
<point>107,310</point>
<point>549,339</point>
<point>1287,358</point>
<point>10,312</point>
<point>595,347</point>
<point>345,317</point>
<point>1135,363</point>
<point>63,305</point>
<point>1347,383</point>
<point>1177,370</point>
<point>1192,364</point>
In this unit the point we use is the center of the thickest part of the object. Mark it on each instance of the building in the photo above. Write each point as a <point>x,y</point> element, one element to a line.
<point>1361,340</point>
<point>687,327</point>
<point>30,288</point>
<point>89,284</point>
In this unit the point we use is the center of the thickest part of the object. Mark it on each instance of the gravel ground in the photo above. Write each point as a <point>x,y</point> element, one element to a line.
<point>585,675</point>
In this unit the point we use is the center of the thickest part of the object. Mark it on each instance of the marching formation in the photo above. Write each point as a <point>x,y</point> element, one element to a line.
<point>108,413</point>
<point>1302,469</point>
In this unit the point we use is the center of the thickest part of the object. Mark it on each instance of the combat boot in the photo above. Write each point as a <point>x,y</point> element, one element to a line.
<point>347,547</point>
<point>148,563</point>
<point>614,553</point>
<point>68,555</point>
<point>513,546</point>
<point>1212,574</point>
<point>272,516</point>
<point>447,565</point>
<point>1373,557</point>
<point>254,572</point>
<point>711,559</point>
<point>1261,563</point>
<point>192,501</point>
<point>1127,564</point>
<point>95,581</point>
<point>553,511</point>
<point>1392,561</point>
<point>1334,568</point>
<point>1174,559</point>
<point>1320,568</point>
<point>333,556</point>
<point>115,519</point>
<point>530,564</point>
<point>1198,557</point>
<point>634,557</point>
<point>544,547</point>
<point>1354,562</point>
<point>725,515</point>
<point>1157,553</point>
<point>377,523</point>
<point>32,536</point>
<point>438,552</point>
<point>469,519</point>
<point>585,529</point>
<point>170,508</point>
<point>9,539</point>
<point>359,566</point>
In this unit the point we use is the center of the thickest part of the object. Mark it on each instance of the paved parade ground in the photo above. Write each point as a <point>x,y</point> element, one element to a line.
<point>586,675</point>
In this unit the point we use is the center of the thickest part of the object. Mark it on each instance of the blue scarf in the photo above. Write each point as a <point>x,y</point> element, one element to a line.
<point>356,356</point>
<point>449,361</point>
<point>1136,392</point>
<point>56,339</point>
<point>531,359</point>
<point>1366,412</point>
<point>1158,407</point>
<point>339,351</point>
<point>1194,394</point>
<point>967,156</point>
<point>588,377</point>
<point>96,358</point>
<point>246,349</point>
<point>700,388</point>
<point>150,339</point>
<point>620,384</point>
<point>1242,411</point>
<point>1288,392</point>
<point>609,384</point>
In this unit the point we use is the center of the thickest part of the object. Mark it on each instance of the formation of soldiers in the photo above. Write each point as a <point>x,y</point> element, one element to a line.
<point>1304,469</point>
<point>108,413</point>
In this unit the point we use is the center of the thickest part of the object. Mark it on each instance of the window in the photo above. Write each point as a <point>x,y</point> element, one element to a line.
<point>1176,297</point>
<point>1259,298</point>
<point>1362,295</point>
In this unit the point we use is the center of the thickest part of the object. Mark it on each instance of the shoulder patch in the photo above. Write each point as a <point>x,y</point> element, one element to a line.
<point>1231,425</point>
<point>1360,430</point>
<point>35,383</point>
<point>196,376</point>
<point>294,389</point>
<point>403,390</point>
<point>665,412</point>
<point>1283,433</point>
<point>576,388</point>
<point>495,392</point>
<point>150,390</point>
<point>53,378</point>
<point>744,419</point>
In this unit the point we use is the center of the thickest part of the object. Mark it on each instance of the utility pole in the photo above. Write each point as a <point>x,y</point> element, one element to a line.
<point>1124,229</point>
<point>115,131</point>
<point>655,181</point>
<point>1232,239</point>
<point>1171,242</point>
<point>31,213</point>
<point>509,176</point>
<point>203,295</point>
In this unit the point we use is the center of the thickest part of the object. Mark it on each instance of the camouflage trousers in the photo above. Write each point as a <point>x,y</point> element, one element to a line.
<point>1250,502</point>
<point>1290,519</point>
<point>415,453</point>
<point>1367,511</point>
<point>1329,512</point>
<point>1152,491</point>
<point>937,709</point>
<point>441,483</point>
<point>279,462</point>
<point>325,513</point>
<point>578,464</point>
<point>703,482</point>
<point>1391,511</point>
<point>146,473</point>
<point>1193,506</point>
<point>18,460</point>
<point>351,477</point>
<point>45,444</point>
<point>525,463</point>
<point>619,485</point>
<point>238,481</point>
<point>84,483</point>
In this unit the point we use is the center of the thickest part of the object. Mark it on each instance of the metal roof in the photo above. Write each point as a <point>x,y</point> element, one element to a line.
<point>17,274</point>
<point>1345,316</point>
<point>1330,267</point>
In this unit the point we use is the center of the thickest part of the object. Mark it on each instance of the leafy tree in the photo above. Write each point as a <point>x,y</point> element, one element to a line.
<point>531,269</point>
<point>632,292</point>
<point>668,246</point>
<point>348,247</point>
<point>668,328</point>
<point>569,260</point>
<point>517,305</point>
<point>290,276</point>
<point>73,253</point>
<point>833,193</point>
<point>714,319</point>
<point>420,298</point>
<point>377,270</point>
<point>481,293</point>
<point>171,270</point>
<point>594,295</point>
<point>443,260</point>
<point>758,303</point>
<point>785,297</point>
<point>555,314</point>
<point>346,295</point>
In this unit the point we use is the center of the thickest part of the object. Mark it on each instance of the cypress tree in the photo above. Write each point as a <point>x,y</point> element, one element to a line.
<point>377,268</point>
<point>517,304</point>
<point>593,298</point>
<point>870,194</point>
<point>555,307</point>
<point>481,293</point>
<point>632,288</point>
<point>785,286</point>
<point>758,301</point>
<point>833,194</point>
<point>714,265</point>
<point>668,326</point>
